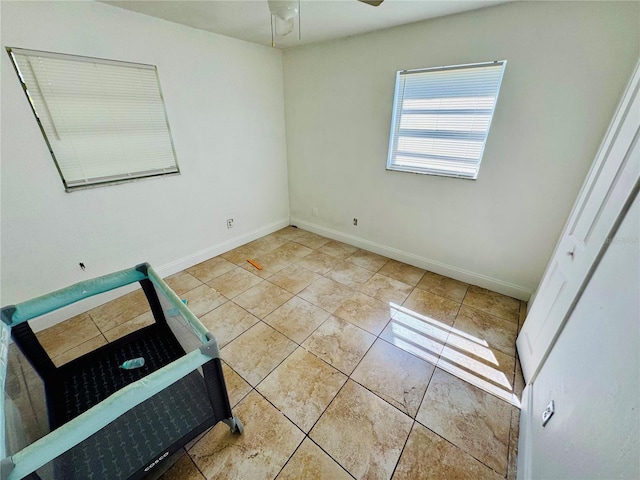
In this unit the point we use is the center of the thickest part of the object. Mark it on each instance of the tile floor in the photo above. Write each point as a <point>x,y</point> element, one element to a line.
<point>340,363</point>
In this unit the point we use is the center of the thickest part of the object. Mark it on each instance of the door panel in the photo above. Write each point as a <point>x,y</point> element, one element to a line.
<point>612,180</point>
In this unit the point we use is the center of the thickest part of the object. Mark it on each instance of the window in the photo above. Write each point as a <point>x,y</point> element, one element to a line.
<point>441,118</point>
<point>103,121</point>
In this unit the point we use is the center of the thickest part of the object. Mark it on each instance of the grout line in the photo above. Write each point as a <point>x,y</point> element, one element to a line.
<point>327,408</point>
<point>463,450</point>
<point>403,447</point>
<point>329,455</point>
<point>290,456</point>
<point>194,464</point>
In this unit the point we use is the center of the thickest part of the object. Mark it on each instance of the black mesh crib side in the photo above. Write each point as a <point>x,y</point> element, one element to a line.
<point>139,439</point>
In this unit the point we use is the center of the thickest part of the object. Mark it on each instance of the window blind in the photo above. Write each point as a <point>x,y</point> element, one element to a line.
<point>103,121</point>
<point>441,118</point>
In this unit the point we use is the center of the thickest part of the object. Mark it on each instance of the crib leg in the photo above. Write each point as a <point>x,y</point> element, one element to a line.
<point>234,424</point>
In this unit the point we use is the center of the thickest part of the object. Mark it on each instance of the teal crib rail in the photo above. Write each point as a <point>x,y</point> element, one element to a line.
<point>67,436</point>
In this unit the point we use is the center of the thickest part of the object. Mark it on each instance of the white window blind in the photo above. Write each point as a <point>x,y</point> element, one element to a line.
<point>103,121</point>
<point>441,118</point>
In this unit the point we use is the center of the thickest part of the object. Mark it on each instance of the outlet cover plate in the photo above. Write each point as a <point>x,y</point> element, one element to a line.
<point>547,413</point>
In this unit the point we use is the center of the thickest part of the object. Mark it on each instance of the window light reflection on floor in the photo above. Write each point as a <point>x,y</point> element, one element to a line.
<point>459,353</point>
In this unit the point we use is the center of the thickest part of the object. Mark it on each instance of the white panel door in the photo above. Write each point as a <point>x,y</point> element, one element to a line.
<point>605,195</point>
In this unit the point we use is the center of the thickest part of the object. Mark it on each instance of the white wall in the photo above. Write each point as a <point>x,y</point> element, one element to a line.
<point>568,63</point>
<point>593,375</point>
<point>224,100</point>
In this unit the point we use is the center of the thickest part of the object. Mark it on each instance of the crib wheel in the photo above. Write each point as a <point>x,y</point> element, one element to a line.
<point>237,426</point>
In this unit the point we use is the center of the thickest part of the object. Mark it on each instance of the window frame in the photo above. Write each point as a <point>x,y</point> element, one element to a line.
<point>72,185</point>
<point>396,118</point>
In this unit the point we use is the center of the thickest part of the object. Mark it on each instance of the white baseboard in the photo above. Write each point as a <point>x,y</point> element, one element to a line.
<point>219,248</point>
<point>180,264</point>
<point>50,319</point>
<point>506,288</point>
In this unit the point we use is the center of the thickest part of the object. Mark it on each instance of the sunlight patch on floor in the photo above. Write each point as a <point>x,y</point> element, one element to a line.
<point>455,351</point>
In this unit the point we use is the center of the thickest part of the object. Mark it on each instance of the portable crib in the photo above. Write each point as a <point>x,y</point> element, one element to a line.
<point>106,422</point>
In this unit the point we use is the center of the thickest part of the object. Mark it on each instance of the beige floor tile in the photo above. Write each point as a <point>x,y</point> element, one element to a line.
<point>433,306</point>
<point>421,336</point>
<point>86,347</point>
<point>126,328</point>
<point>349,274</point>
<point>366,312</point>
<point>183,469</point>
<point>269,439</point>
<point>288,233</point>
<point>487,369</point>
<point>302,387</point>
<point>68,334</point>
<point>369,260</point>
<point>210,269</point>
<point>120,310</point>
<point>317,262</point>
<point>271,263</point>
<point>443,286</point>
<point>294,279</point>
<point>339,343</point>
<point>297,319</point>
<point>292,251</point>
<point>402,272</point>
<point>262,299</point>
<point>237,388</point>
<point>486,330</point>
<point>256,352</point>
<point>475,352</point>
<point>227,322</point>
<point>429,457</point>
<point>493,303</point>
<point>512,463</point>
<point>362,432</point>
<point>239,255</point>
<point>234,282</point>
<point>326,294</point>
<point>338,249</point>
<point>471,419</point>
<point>203,299</point>
<point>395,376</point>
<point>267,244</point>
<point>182,282</point>
<point>386,289</point>
<point>311,463</point>
<point>518,380</point>
<point>522,315</point>
<point>311,240</point>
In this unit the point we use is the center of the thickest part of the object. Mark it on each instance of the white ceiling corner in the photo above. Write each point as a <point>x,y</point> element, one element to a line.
<point>320,20</point>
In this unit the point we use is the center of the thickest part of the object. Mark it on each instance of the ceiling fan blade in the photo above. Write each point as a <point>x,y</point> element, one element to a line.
<point>373,3</point>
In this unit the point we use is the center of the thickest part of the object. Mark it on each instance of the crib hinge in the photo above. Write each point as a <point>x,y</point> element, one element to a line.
<point>211,348</point>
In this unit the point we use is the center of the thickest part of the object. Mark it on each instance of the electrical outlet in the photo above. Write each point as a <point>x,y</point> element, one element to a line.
<point>230,223</point>
<point>547,413</point>
<point>314,211</point>
<point>355,222</point>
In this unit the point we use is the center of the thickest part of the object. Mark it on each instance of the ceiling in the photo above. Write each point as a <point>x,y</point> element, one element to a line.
<point>320,20</point>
